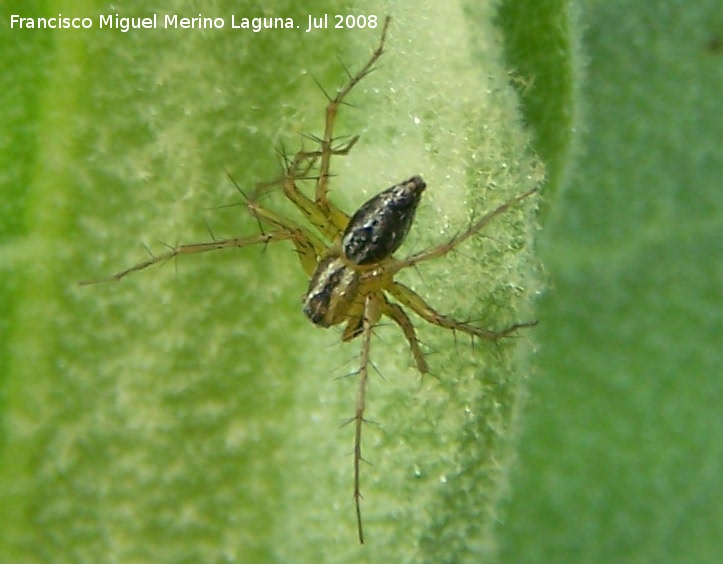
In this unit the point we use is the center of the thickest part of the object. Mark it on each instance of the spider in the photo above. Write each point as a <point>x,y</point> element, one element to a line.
<point>352,268</point>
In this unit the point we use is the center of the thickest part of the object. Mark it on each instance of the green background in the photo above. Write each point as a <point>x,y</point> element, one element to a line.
<point>135,416</point>
<point>620,458</point>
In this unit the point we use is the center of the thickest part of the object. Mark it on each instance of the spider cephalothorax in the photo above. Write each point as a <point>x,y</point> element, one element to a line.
<point>352,273</point>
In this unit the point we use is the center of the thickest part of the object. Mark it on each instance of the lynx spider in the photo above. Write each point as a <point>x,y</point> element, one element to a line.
<point>352,279</point>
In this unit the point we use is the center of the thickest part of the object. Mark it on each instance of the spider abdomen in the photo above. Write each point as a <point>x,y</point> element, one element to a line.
<point>379,226</point>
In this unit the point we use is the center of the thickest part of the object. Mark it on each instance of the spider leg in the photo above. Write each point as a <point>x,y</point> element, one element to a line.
<point>322,183</point>
<point>416,303</point>
<point>333,213</point>
<point>355,323</point>
<point>399,316</point>
<point>371,316</point>
<point>329,222</point>
<point>320,212</point>
<point>195,248</point>
<point>308,246</point>
<point>444,248</point>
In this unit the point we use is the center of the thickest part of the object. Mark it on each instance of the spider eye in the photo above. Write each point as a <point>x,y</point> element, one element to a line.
<point>379,226</point>
<point>332,288</point>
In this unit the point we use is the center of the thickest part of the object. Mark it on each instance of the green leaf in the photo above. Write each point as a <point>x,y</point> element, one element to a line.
<point>191,413</point>
<point>620,461</point>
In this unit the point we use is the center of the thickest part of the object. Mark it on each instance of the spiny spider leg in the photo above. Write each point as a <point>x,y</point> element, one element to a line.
<point>371,316</point>
<point>333,213</point>
<point>399,316</point>
<point>325,216</point>
<point>322,183</point>
<point>416,303</point>
<point>195,248</point>
<point>319,218</point>
<point>444,248</point>
<point>298,168</point>
<point>308,245</point>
